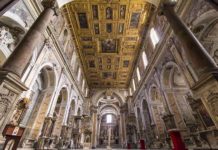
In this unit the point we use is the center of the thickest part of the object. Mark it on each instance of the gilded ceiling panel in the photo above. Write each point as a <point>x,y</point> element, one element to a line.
<point>108,36</point>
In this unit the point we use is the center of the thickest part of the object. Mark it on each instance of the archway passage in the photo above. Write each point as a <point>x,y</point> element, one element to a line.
<point>59,113</point>
<point>109,130</point>
<point>109,123</point>
<point>40,97</point>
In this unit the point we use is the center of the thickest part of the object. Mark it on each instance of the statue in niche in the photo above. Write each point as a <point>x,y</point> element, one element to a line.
<point>121,27</point>
<point>6,38</point>
<point>109,13</point>
<point>87,139</point>
<point>122,11</point>
<point>20,110</point>
<point>215,56</point>
<point>4,104</point>
<point>95,11</point>
<point>213,100</point>
<point>96,27</point>
<point>208,122</point>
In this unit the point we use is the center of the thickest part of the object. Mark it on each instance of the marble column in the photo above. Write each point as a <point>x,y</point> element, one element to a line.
<point>10,73</point>
<point>202,63</point>
<point>199,58</point>
<point>123,115</point>
<point>94,125</point>
<point>213,3</point>
<point>120,130</point>
<point>20,57</point>
<point>5,5</point>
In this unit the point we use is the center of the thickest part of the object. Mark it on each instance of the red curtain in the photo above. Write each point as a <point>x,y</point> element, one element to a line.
<point>176,138</point>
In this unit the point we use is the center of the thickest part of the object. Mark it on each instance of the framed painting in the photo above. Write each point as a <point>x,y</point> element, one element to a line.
<point>95,12</point>
<point>109,13</point>
<point>109,27</point>
<point>83,22</point>
<point>122,11</point>
<point>134,22</point>
<point>109,46</point>
<point>96,28</point>
<point>92,63</point>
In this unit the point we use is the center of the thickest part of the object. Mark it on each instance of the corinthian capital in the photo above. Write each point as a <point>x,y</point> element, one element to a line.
<point>49,3</point>
<point>166,4</point>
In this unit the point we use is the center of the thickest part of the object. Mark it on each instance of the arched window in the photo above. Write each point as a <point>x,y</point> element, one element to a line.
<point>154,37</point>
<point>109,118</point>
<point>133,85</point>
<point>79,74</point>
<point>138,74</point>
<point>130,91</point>
<point>144,59</point>
<point>83,85</point>
<point>87,90</point>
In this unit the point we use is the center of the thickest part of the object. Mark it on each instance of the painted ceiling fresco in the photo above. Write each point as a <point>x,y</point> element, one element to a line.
<point>108,35</point>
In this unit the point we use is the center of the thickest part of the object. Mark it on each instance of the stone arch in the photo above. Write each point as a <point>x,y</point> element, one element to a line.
<point>201,23</point>
<point>79,112</point>
<point>72,111</point>
<point>145,108</point>
<point>212,101</point>
<point>45,81</point>
<point>101,93</point>
<point>108,110</point>
<point>41,93</point>
<point>109,105</point>
<point>64,37</point>
<point>60,108</point>
<point>171,76</point>
<point>12,30</point>
<point>176,90</point>
<point>139,116</point>
<point>205,27</point>
<point>73,106</point>
<point>104,128</point>
<point>13,20</point>
<point>150,132</point>
<point>156,110</point>
<point>154,93</point>
<point>45,65</point>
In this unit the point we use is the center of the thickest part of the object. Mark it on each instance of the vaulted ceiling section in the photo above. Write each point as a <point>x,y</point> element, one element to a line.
<point>108,36</point>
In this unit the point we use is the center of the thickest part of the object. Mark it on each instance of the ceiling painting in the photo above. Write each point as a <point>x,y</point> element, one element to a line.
<point>108,36</point>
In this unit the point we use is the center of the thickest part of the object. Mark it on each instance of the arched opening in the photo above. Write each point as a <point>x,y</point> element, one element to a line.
<point>140,124</point>
<point>59,112</point>
<point>176,90</point>
<point>157,110</point>
<point>41,95</point>
<point>12,30</point>
<point>71,114</point>
<point>79,112</point>
<point>149,126</point>
<point>109,128</point>
<point>108,103</point>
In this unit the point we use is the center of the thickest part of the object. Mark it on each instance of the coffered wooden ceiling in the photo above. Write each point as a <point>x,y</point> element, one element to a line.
<point>108,36</point>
